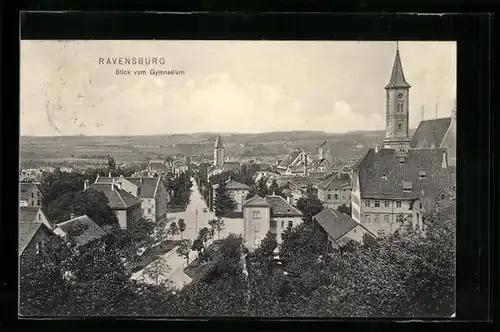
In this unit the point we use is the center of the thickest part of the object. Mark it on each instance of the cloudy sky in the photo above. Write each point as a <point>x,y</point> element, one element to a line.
<point>228,86</point>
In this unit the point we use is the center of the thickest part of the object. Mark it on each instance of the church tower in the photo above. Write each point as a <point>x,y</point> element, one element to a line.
<point>218,152</point>
<point>397,108</point>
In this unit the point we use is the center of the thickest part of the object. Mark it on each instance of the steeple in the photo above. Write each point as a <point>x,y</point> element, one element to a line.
<point>397,76</point>
<point>218,142</point>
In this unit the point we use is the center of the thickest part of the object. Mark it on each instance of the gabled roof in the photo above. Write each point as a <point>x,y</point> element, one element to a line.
<point>218,142</point>
<point>118,198</point>
<point>82,229</point>
<point>333,183</point>
<point>290,157</point>
<point>28,213</point>
<point>147,185</point>
<point>336,224</point>
<point>27,231</point>
<point>430,133</point>
<point>397,79</point>
<point>381,174</point>
<point>318,162</point>
<point>256,201</point>
<point>280,207</point>
<point>236,185</point>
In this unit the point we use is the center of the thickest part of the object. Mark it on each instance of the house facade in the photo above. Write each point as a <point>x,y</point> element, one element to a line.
<point>262,215</point>
<point>334,192</point>
<point>31,194</point>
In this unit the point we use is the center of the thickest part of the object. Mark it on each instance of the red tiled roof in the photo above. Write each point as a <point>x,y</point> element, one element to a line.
<point>256,201</point>
<point>290,157</point>
<point>280,207</point>
<point>381,174</point>
<point>91,231</point>
<point>333,183</point>
<point>335,223</point>
<point>118,198</point>
<point>430,133</point>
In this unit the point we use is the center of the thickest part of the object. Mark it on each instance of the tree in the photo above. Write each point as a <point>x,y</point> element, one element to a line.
<point>274,188</point>
<point>199,244</point>
<point>309,206</point>
<point>173,229</point>
<point>111,163</point>
<point>262,189</point>
<point>217,225</point>
<point>158,271</point>
<point>184,249</point>
<point>223,202</point>
<point>182,226</point>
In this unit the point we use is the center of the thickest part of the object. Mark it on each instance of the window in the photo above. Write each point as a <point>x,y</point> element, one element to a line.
<point>400,126</point>
<point>400,108</point>
<point>386,203</point>
<point>32,195</point>
<point>336,196</point>
<point>256,227</point>
<point>39,217</point>
<point>149,210</point>
<point>367,203</point>
<point>384,176</point>
<point>354,231</point>
<point>377,203</point>
<point>386,218</point>
<point>329,196</point>
<point>442,196</point>
<point>257,241</point>
<point>37,248</point>
<point>32,203</point>
<point>377,218</point>
<point>398,204</point>
<point>37,194</point>
<point>367,218</point>
<point>38,202</point>
<point>256,214</point>
<point>282,223</point>
<point>290,224</point>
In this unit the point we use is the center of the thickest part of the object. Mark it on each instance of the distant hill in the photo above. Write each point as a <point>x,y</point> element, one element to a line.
<point>138,148</point>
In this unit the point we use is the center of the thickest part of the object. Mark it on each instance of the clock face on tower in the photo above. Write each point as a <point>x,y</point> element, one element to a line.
<point>400,96</point>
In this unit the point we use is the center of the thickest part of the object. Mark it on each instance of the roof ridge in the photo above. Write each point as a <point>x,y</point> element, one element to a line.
<point>156,187</point>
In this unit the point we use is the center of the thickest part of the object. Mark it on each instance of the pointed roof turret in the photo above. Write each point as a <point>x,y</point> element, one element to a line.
<point>218,142</point>
<point>397,77</point>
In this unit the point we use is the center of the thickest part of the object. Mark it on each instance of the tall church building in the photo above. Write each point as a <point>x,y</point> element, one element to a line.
<point>219,152</point>
<point>405,178</point>
<point>397,109</point>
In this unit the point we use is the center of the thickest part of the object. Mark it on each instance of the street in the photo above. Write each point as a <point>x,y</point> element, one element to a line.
<point>195,219</point>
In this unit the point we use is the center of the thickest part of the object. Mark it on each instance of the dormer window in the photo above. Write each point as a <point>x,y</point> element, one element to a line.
<point>401,160</point>
<point>422,175</point>
<point>407,186</point>
<point>384,176</point>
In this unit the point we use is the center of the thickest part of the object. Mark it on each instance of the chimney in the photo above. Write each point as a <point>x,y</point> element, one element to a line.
<point>72,216</point>
<point>444,162</point>
<point>109,174</point>
<point>376,148</point>
<point>86,184</point>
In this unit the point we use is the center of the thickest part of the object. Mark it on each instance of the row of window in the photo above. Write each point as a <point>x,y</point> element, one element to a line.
<point>257,225</point>
<point>38,202</point>
<point>386,203</point>
<point>376,218</point>
<point>144,211</point>
<point>37,194</point>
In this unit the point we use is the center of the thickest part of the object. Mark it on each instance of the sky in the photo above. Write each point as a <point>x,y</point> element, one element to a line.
<point>227,86</point>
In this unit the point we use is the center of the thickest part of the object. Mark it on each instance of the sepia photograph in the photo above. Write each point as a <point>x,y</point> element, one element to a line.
<point>191,178</point>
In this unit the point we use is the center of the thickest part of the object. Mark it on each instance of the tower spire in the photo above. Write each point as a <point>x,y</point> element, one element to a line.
<point>397,79</point>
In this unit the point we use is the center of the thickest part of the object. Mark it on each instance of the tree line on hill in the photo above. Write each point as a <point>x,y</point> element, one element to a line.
<point>403,274</point>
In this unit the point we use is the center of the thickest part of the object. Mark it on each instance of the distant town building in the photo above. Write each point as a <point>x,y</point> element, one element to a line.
<point>126,206</point>
<point>220,164</point>
<point>338,228</point>
<point>31,194</point>
<point>150,190</point>
<point>295,163</point>
<point>334,192</point>
<point>179,167</point>
<point>267,215</point>
<point>237,191</point>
